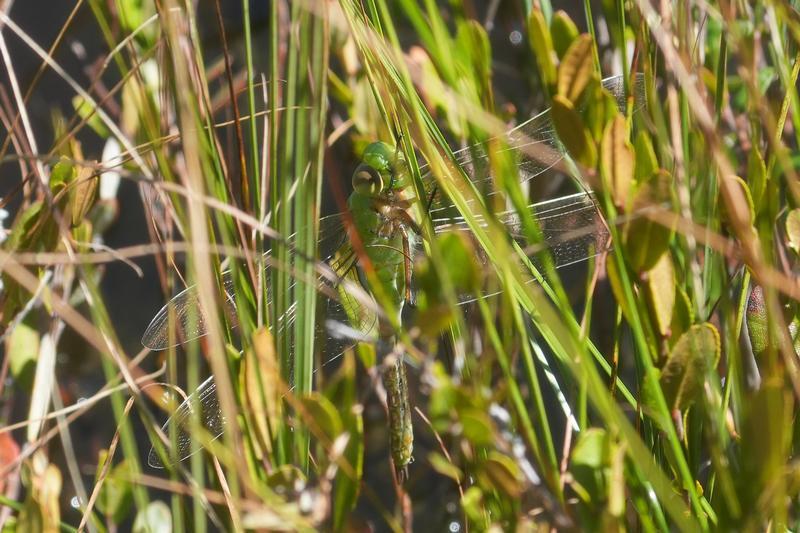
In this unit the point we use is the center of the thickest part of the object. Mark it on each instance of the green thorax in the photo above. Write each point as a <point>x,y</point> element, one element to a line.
<point>380,207</point>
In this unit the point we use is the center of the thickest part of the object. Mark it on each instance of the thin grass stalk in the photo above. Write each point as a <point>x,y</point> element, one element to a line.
<point>305,219</point>
<point>198,167</point>
<point>278,196</point>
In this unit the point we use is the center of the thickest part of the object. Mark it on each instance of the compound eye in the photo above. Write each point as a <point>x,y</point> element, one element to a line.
<point>367,180</point>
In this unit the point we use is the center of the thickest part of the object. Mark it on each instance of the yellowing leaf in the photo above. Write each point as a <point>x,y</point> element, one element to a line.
<point>262,388</point>
<point>617,161</point>
<point>576,69</point>
<point>83,193</point>
<point>660,287</point>
<point>793,229</point>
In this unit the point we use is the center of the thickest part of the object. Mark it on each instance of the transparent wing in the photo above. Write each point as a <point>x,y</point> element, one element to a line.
<point>535,140</point>
<point>205,400</point>
<point>189,323</point>
<point>572,228</point>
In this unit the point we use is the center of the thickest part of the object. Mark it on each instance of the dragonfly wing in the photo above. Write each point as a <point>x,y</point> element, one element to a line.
<point>190,324</point>
<point>188,319</point>
<point>205,399</point>
<point>535,140</point>
<point>572,228</point>
<point>205,402</point>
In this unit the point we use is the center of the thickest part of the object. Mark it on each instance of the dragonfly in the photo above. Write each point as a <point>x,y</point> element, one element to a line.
<point>380,214</point>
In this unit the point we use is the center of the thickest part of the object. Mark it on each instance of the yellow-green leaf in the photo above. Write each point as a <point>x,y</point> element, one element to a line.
<point>694,355</point>
<point>571,131</point>
<point>793,229</point>
<point>262,386</point>
<point>588,461</point>
<point>22,348</point>
<point>440,463</point>
<point>576,69</point>
<point>646,240</point>
<point>85,111</point>
<point>564,32</point>
<point>116,495</point>
<point>542,45</point>
<point>503,473</point>
<point>748,198</point>
<point>617,160</point>
<point>660,287</point>
<point>646,161</point>
<point>756,317</point>
<point>321,416</point>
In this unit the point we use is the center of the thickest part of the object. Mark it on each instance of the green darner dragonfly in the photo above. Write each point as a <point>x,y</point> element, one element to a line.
<point>571,226</point>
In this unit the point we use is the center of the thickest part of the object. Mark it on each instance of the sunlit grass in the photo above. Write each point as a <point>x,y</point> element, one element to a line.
<point>655,388</point>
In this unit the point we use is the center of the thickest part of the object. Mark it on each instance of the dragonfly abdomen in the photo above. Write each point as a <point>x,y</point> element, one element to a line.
<point>401,431</point>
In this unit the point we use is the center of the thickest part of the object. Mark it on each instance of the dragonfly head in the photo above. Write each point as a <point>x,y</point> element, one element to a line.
<point>379,171</point>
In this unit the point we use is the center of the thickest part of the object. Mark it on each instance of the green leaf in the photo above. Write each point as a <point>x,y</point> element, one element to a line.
<point>476,425</point>
<point>572,132</point>
<point>322,415</point>
<point>458,248</point>
<point>617,161</point>
<point>472,38</point>
<point>440,463</point>
<point>473,504</point>
<point>502,473</point>
<point>599,109</point>
<point>564,32</point>
<point>542,45</point>
<point>116,494</point>
<point>62,174</point>
<point>576,69</point>
<point>85,110</point>
<point>646,161</point>
<point>748,198</point>
<point>22,349</point>
<point>756,316</point>
<point>694,355</point>
<point>646,240</point>
<point>155,518</point>
<point>588,461</point>
<point>683,314</point>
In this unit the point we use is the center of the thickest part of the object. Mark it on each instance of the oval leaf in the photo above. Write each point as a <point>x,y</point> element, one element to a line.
<point>571,131</point>
<point>617,161</point>
<point>564,32</point>
<point>660,287</point>
<point>576,69</point>
<point>692,357</point>
<point>542,45</point>
<point>793,229</point>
